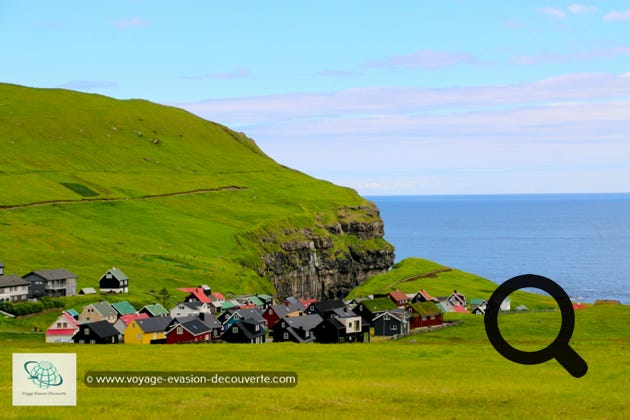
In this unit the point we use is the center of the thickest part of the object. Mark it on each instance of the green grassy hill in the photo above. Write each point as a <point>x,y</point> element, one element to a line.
<point>89,182</point>
<point>412,274</point>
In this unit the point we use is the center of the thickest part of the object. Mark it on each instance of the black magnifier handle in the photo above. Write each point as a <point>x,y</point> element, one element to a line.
<point>571,361</point>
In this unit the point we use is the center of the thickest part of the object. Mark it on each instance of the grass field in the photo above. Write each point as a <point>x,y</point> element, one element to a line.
<point>76,170</point>
<point>451,373</point>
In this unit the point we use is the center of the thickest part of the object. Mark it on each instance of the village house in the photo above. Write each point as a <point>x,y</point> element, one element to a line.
<point>124,320</point>
<point>99,332</point>
<point>266,299</point>
<point>123,308</point>
<point>114,281</point>
<point>370,308</point>
<point>275,312</point>
<point>392,322</point>
<point>342,325</point>
<point>424,296</point>
<point>190,308</point>
<point>201,293</point>
<point>251,314</point>
<point>62,329</point>
<point>56,282</point>
<point>13,288</point>
<point>147,331</point>
<point>298,329</point>
<point>189,330</point>
<point>87,291</point>
<point>399,298</point>
<point>244,331</point>
<point>100,311</point>
<point>154,310</point>
<point>425,314</point>
<point>478,306</point>
<point>324,308</point>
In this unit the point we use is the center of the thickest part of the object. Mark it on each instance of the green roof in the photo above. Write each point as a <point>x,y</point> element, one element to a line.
<point>426,308</point>
<point>227,305</point>
<point>104,308</point>
<point>124,308</point>
<point>265,296</point>
<point>476,301</point>
<point>378,304</point>
<point>256,301</point>
<point>117,272</point>
<point>157,310</point>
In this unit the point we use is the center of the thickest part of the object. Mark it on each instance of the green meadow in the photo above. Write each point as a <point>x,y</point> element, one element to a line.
<point>450,373</point>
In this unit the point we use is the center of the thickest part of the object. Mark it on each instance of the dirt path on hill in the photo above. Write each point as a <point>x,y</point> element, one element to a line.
<point>106,199</point>
<point>429,274</point>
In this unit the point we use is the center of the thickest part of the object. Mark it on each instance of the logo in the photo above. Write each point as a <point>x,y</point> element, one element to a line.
<point>44,379</point>
<point>43,374</point>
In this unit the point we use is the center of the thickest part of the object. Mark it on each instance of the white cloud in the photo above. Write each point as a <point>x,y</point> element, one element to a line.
<point>425,59</point>
<point>553,12</point>
<point>617,16</point>
<point>581,8</point>
<point>560,133</point>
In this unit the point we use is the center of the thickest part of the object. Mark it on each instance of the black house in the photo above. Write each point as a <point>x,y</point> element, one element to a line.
<point>391,323</point>
<point>343,326</point>
<point>99,332</point>
<point>114,281</point>
<point>299,329</point>
<point>325,307</point>
<point>244,331</point>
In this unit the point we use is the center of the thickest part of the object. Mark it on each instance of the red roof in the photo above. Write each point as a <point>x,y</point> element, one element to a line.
<point>427,296</point>
<point>67,331</point>
<point>579,306</point>
<point>219,296</point>
<point>398,296</point>
<point>307,302</point>
<point>69,318</point>
<point>127,319</point>
<point>459,308</point>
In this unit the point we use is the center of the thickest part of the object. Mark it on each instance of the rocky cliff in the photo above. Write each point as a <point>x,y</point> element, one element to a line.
<point>329,258</point>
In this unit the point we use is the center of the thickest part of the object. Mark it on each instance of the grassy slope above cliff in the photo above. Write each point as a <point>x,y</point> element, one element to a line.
<point>106,156</point>
<point>412,274</point>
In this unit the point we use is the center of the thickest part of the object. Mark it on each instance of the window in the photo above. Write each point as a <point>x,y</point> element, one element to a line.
<point>386,317</point>
<point>139,336</point>
<point>87,331</point>
<point>257,327</point>
<point>92,341</point>
<point>393,327</point>
<point>432,316</point>
<point>180,331</point>
<point>307,334</point>
<point>58,324</point>
<point>65,325</point>
<point>285,336</point>
<point>234,330</point>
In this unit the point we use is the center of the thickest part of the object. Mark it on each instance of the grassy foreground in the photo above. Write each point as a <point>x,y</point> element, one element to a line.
<point>452,373</point>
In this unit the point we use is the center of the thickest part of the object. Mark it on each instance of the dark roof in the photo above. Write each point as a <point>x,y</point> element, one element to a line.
<point>251,314</point>
<point>210,321</point>
<point>102,329</point>
<point>54,274</point>
<point>344,312</point>
<point>398,314</point>
<point>249,328</point>
<point>378,304</point>
<point>306,322</point>
<point>282,310</point>
<point>192,305</point>
<point>327,305</point>
<point>104,308</point>
<point>12,280</point>
<point>155,324</point>
<point>196,326</point>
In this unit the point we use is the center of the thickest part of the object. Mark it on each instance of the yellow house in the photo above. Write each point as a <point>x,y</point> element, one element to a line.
<point>144,331</point>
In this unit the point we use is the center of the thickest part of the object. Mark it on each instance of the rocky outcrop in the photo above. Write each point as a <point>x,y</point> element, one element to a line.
<point>327,260</point>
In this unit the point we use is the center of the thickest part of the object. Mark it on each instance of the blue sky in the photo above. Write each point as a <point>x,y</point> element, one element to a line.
<point>404,97</point>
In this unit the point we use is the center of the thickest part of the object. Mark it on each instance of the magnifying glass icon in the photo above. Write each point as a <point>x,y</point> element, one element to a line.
<point>559,349</point>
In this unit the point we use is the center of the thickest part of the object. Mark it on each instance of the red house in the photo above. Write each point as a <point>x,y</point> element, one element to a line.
<point>192,331</point>
<point>399,298</point>
<point>425,314</point>
<point>63,329</point>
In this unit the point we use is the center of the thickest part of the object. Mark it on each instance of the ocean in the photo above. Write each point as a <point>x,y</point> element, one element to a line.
<point>581,241</point>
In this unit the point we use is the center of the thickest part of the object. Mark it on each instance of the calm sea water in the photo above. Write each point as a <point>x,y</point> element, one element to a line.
<point>582,241</point>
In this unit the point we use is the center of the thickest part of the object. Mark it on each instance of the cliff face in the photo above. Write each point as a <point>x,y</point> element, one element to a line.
<point>330,259</point>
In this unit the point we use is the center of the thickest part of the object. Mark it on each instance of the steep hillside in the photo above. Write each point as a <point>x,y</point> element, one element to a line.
<point>89,182</point>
